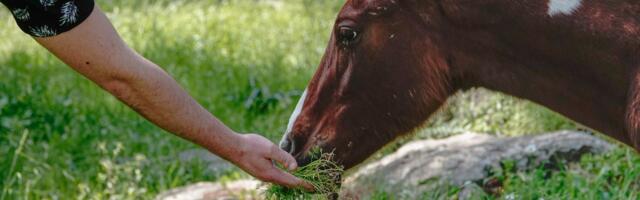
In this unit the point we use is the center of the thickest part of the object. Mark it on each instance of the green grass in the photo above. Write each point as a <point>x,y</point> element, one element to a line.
<point>83,143</point>
<point>614,175</point>
<point>61,137</point>
<point>323,173</point>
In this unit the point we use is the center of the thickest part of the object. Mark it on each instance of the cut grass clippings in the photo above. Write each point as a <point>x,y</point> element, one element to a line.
<point>323,173</point>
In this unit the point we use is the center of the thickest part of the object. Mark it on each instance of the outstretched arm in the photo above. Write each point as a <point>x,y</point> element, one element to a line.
<point>95,50</point>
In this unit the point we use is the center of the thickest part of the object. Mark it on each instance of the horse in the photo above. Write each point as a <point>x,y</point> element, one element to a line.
<point>390,64</point>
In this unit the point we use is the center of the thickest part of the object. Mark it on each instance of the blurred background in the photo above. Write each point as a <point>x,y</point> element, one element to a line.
<point>246,61</point>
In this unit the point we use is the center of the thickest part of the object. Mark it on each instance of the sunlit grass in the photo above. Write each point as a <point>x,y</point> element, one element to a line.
<point>615,175</point>
<point>83,143</point>
<point>322,173</point>
<point>245,61</point>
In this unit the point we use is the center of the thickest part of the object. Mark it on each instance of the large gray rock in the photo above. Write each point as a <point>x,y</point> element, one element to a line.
<point>458,160</point>
<point>241,189</point>
<point>462,159</point>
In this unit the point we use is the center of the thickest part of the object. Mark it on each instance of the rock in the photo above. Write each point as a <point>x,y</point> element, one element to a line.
<point>241,189</point>
<point>462,159</point>
<point>470,191</point>
<point>423,165</point>
<point>214,163</point>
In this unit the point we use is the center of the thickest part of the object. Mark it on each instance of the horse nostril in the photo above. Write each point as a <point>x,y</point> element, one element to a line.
<point>287,145</point>
<point>303,161</point>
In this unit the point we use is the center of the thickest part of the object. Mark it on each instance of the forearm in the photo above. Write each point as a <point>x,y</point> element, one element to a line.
<point>155,95</point>
<point>95,50</point>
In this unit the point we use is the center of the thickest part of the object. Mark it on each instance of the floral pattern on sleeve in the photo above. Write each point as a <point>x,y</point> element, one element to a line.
<point>45,18</point>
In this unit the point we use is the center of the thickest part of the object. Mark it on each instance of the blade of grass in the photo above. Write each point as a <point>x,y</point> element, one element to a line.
<point>9,180</point>
<point>323,173</point>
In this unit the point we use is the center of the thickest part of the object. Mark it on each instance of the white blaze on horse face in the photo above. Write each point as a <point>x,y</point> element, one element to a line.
<point>294,115</point>
<point>296,112</point>
<point>566,7</point>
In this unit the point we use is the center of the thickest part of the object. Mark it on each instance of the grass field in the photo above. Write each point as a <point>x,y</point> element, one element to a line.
<point>61,137</point>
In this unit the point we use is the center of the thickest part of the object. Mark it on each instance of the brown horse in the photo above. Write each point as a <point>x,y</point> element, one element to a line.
<point>391,63</point>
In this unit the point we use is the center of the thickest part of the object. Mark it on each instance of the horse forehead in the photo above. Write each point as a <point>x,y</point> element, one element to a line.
<point>362,5</point>
<point>566,7</point>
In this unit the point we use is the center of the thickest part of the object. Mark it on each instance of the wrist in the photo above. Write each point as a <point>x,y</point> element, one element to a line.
<point>227,144</point>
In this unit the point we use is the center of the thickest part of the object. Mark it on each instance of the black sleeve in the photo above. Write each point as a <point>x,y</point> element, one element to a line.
<point>45,18</point>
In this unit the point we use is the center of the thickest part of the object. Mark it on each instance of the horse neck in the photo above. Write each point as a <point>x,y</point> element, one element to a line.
<point>582,73</point>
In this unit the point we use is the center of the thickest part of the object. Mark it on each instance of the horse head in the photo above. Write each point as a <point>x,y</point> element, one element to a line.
<point>381,76</point>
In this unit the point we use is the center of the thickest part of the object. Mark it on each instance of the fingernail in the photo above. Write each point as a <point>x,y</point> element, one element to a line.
<point>292,167</point>
<point>310,187</point>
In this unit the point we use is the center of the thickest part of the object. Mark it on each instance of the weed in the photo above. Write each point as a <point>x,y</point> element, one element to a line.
<point>323,173</point>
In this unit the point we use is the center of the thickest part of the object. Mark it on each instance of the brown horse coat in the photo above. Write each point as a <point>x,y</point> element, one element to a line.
<point>391,63</point>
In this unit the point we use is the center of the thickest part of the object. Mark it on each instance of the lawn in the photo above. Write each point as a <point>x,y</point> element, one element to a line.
<point>61,137</point>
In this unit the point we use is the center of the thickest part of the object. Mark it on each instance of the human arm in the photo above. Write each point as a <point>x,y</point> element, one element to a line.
<point>95,50</point>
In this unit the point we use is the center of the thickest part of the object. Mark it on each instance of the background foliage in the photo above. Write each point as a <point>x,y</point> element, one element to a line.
<point>61,137</point>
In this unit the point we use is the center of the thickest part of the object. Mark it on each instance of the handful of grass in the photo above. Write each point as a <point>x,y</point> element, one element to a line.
<point>323,173</point>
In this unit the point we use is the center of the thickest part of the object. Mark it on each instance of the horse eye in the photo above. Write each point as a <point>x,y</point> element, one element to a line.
<point>347,35</point>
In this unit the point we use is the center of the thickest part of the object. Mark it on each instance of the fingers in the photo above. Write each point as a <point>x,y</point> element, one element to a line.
<point>283,158</point>
<point>282,178</point>
<point>307,186</point>
<point>259,162</point>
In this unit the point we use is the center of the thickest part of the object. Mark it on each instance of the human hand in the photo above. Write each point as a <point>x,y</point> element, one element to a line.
<point>256,156</point>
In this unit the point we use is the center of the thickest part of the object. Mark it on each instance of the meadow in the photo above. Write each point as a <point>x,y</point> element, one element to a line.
<point>61,137</point>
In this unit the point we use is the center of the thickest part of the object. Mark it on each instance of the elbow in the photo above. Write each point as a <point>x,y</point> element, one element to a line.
<point>118,87</point>
<point>126,84</point>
